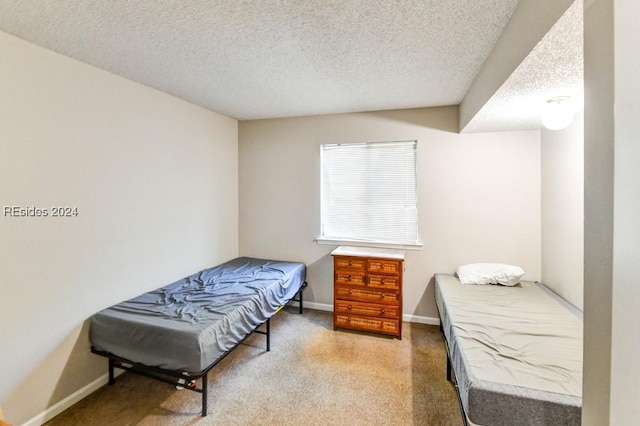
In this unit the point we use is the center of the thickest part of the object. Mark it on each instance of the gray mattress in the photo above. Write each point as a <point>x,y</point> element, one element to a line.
<point>189,324</point>
<point>516,352</point>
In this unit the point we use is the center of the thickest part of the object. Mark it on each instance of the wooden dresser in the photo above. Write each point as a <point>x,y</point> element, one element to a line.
<point>367,289</point>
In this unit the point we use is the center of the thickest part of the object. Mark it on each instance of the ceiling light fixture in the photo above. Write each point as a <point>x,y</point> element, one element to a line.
<point>558,113</point>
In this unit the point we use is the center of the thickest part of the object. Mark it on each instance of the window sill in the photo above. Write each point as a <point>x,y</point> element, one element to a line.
<point>338,242</point>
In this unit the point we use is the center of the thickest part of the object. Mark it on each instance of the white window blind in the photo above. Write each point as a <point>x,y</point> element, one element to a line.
<point>369,192</point>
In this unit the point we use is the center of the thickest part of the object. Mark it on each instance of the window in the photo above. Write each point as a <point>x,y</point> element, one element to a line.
<point>369,193</point>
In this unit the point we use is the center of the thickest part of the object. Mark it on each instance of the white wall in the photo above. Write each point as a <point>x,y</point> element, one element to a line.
<point>598,210</point>
<point>154,180</point>
<point>625,371</point>
<point>562,154</point>
<point>612,208</point>
<point>479,195</point>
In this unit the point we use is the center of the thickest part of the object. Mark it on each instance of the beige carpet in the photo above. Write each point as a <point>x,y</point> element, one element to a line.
<point>312,376</point>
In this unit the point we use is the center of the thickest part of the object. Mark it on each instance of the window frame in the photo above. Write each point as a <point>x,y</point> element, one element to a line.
<point>322,239</point>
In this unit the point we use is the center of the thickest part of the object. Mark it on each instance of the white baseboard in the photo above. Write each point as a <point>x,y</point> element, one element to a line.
<point>420,319</point>
<point>405,317</point>
<point>314,305</point>
<point>78,395</point>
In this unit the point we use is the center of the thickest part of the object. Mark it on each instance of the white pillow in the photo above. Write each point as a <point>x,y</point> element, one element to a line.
<point>489,273</point>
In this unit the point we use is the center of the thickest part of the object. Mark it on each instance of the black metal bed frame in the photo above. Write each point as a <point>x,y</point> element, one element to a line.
<point>187,380</point>
<point>451,377</point>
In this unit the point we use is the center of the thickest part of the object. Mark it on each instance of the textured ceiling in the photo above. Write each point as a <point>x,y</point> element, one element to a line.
<point>553,68</point>
<point>276,58</point>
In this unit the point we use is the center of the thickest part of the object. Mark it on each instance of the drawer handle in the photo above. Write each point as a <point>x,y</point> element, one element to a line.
<point>381,311</point>
<point>349,307</point>
<point>382,282</point>
<point>347,277</point>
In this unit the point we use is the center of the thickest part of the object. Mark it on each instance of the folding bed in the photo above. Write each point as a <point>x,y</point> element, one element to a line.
<point>177,333</point>
<point>515,352</point>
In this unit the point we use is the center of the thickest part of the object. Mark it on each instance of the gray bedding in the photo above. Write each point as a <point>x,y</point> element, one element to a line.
<point>516,353</point>
<point>189,324</point>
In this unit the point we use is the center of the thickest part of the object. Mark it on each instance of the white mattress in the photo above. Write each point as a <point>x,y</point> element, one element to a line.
<point>516,352</point>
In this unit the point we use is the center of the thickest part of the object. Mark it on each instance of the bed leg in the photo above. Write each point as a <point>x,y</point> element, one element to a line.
<point>204,395</point>
<point>268,334</point>
<point>111,376</point>
<point>448,368</point>
<point>300,300</point>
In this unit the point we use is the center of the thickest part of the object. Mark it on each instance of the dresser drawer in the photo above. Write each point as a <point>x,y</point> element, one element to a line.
<point>348,277</point>
<point>367,295</point>
<point>379,325</point>
<point>350,263</point>
<point>366,309</point>
<point>384,266</point>
<point>384,281</point>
